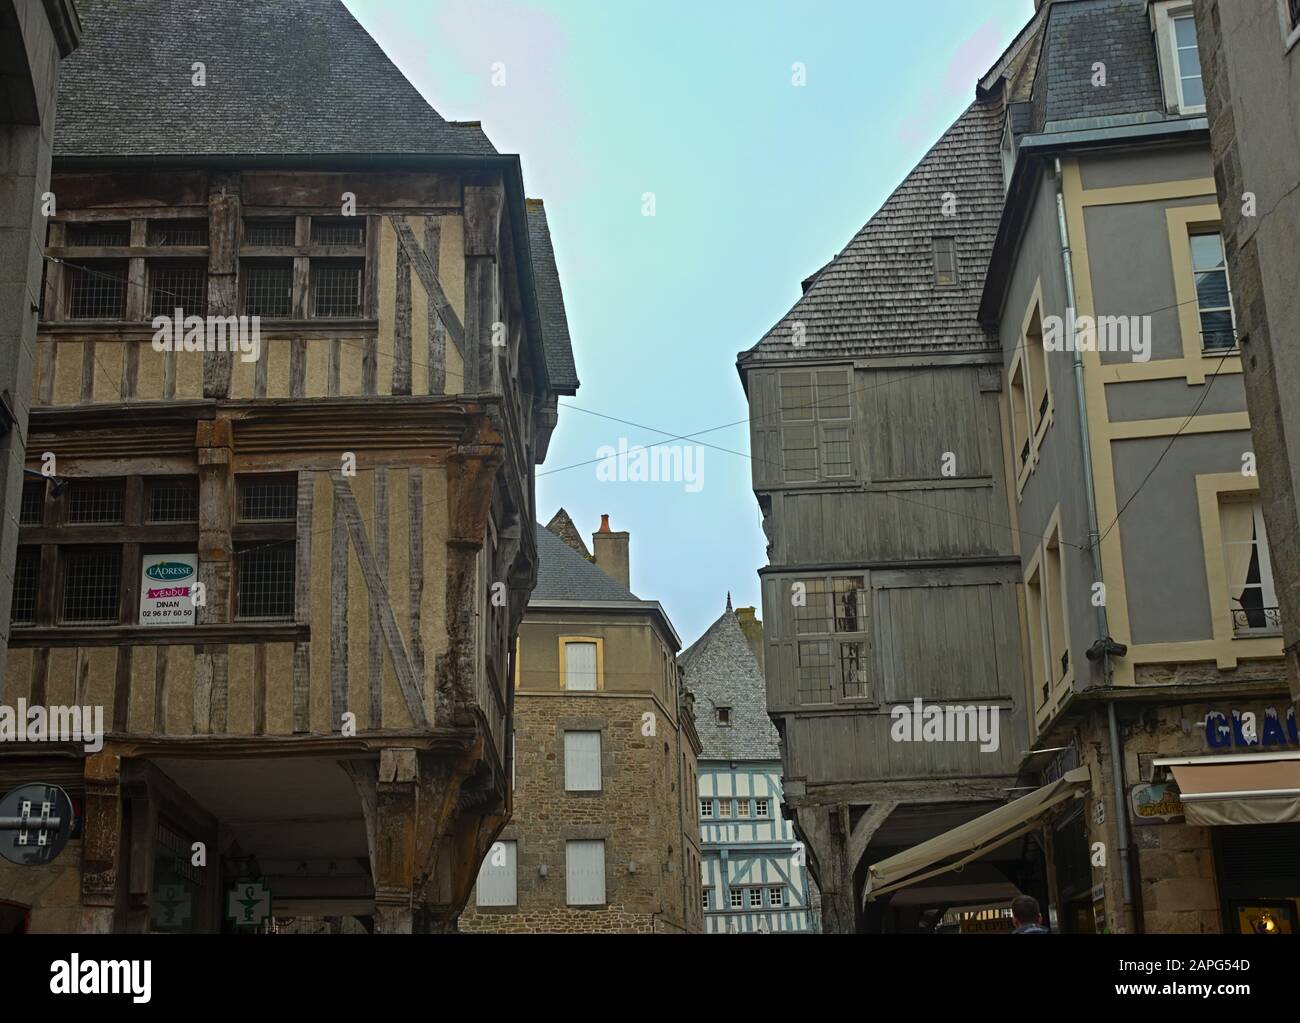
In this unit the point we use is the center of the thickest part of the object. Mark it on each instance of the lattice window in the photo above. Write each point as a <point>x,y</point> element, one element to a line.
<point>95,503</point>
<point>815,672</point>
<point>173,500</point>
<point>849,593</point>
<point>32,512</point>
<point>854,677</point>
<point>268,287</point>
<point>91,580</point>
<point>178,232</point>
<point>776,896</point>
<point>338,231</point>
<point>96,289</point>
<point>756,898</point>
<point>742,807</point>
<point>736,896</point>
<point>816,435</point>
<point>762,808</point>
<point>278,231</point>
<point>175,286</point>
<point>814,615</point>
<point>95,235</point>
<point>706,809</point>
<point>336,287</point>
<point>266,581</point>
<point>27,570</point>
<point>268,499</point>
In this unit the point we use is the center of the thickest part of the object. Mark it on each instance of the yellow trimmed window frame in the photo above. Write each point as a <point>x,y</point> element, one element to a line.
<point>1183,222</point>
<point>1052,671</point>
<point>565,643</point>
<point>1212,492</point>
<point>1029,391</point>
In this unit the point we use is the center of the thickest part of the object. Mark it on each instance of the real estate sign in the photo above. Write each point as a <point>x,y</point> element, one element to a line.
<point>166,588</point>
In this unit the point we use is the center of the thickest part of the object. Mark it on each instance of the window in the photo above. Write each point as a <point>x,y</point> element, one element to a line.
<point>582,762</point>
<point>581,665</point>
<point>497,877</point>
<point>27,569</point>
<point>742,807</point>
<point>756,898</point>
<point>832,654</point>
<point>1289,13</point>
<point>724,717</point>
<point>1293,14</point>
<point>1057,645</point>
<point>268,499</point>
<point>177,232</point>
<point>1040,394</point>
<point>96,289</point>
<point>1021,439</point>
<point>173,499</point>
<point>707,894</point>
<point>736,898</point>
<point>336,287</point>
<point>1252,595</point>
<point>95,502</point>
<point>272,232</point>
<point>724,807</point>
<point>706,809</point>
<point>267,286</point>
<point>266,580</point>
<point>1187,64</point>
<point>1036,611</point>
<point>179,285</point>
<point>584,868</point>
<point>32,512</point>
<point>338,231</point>
<point>1213,294</point>
<point>762,807</point>
<point>91,578</point>
<point>945,261</point>
<point>815,414</point>
<point>776,896</point>
<point>114,234</point>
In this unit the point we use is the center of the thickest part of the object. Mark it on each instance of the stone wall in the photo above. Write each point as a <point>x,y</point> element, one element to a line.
<point>637,813</point>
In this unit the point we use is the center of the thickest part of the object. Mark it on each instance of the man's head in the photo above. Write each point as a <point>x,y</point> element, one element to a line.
<point>1024,910</point>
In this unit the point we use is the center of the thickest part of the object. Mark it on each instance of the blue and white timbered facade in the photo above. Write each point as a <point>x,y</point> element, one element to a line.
<point>752,864</point>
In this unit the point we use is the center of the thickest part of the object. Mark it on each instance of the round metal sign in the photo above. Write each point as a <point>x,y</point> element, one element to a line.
<point>35,822</point>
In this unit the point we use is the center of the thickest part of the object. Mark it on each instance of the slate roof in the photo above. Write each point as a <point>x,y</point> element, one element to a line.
<point>878,296</point>
<point>564,574</point>
<point>284,77</point>
<point>1079,34</point>
<point>721,671</point>
<point>560,369</point>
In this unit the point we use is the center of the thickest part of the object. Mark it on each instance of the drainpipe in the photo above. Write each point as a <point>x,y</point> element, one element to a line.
<point>1094,537</point>
<point>681,803</point>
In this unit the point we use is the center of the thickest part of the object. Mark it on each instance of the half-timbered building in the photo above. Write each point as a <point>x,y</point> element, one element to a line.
<point>753,873</point>
<point>287,554</point>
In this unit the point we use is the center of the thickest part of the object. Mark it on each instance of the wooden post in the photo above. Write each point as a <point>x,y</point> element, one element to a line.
<point>102,829</point>
<point>214,440</point>
<point>393,864</point>
<point>224,212</point>
<point>482,206</point>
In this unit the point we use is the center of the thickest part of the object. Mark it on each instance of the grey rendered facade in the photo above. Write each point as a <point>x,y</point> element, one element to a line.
<point>1150,602</point>
<point>1250,53</point>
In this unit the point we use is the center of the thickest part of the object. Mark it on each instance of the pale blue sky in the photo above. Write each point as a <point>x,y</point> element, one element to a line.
<point>757,183</point>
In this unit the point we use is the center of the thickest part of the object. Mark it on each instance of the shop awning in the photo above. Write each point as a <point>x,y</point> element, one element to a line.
<point>973,839</point>
<point>1248,789</point>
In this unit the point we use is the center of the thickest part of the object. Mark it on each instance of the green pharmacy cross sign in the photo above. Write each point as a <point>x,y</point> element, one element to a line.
<point>248,903</point>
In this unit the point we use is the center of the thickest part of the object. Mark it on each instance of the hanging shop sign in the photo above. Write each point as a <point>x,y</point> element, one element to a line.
<point>36,822</point>
<point>167,587</point>
<point>1246,729</point>
<point>1156,803</point>
<point>249,903</point>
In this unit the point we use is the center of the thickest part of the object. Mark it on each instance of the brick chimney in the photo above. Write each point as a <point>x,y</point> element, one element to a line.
<point>609,549</point>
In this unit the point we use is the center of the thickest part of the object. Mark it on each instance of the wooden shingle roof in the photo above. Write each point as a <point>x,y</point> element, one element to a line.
<point>283,78</point>
<point>879,295</point>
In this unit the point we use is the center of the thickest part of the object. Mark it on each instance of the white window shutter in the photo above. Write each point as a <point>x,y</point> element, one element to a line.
<point>580,666</point>
<point>585,873</point>
<point>496,883</point>
<point>582,762</point>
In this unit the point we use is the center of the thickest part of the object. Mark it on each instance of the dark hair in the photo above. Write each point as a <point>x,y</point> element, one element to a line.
<point>1024,908</point>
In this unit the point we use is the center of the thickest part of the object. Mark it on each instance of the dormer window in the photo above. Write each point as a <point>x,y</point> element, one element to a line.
<point>945,261</point>
<point>724,717</point>
<point>1180,61</point>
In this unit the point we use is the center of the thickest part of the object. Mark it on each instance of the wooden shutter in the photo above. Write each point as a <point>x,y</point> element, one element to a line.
<point>580,666</point>
<point>584,867</point>
<point>496,883</point>
<point>582,762</point>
